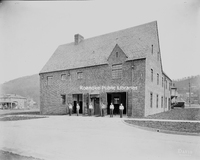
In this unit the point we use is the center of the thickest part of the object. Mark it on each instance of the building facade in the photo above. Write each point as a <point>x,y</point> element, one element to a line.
<point>122,67</point>
<point>13,101</point>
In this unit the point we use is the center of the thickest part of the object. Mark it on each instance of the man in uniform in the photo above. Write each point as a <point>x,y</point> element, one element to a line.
<point>90,108</point>
<point>70,109</point>
<point>121,108</point>
<point>77,109</point>
<point>102,109</point>
<point>111,110</point>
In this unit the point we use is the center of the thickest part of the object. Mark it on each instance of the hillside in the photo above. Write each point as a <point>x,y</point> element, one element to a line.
<point>183,88</point>
<point>25,86</point>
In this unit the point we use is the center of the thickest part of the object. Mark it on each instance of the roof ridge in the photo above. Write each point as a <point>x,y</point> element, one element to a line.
<point>101,35</point>
<point>138,26</point>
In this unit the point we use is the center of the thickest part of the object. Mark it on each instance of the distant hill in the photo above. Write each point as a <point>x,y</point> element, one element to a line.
<point>28,87</point>
<point>183,88</point>
<point>184,82</point>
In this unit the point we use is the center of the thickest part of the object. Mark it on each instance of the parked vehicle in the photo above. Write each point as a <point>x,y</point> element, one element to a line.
<point>178,104</point>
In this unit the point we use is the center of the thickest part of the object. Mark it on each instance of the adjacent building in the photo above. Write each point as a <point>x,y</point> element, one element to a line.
<point>123,67</point>
<point>13,101</point>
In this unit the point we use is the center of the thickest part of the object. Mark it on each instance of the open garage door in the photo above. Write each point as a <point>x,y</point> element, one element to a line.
<point>116,98</point>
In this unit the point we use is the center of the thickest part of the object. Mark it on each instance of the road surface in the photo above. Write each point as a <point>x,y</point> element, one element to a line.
<point>93,138</point>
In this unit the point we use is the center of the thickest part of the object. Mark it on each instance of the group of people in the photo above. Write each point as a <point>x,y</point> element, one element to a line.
<point>71,107</point>
<point>121,108</point>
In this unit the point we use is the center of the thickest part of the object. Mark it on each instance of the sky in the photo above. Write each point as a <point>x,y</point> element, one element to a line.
<point>30,32</point>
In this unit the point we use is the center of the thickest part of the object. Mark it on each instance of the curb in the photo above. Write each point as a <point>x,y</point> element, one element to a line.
<point>164,120</point>
<point>161,130</point>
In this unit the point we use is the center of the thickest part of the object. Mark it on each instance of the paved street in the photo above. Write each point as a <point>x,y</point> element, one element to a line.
<point>93,138</point>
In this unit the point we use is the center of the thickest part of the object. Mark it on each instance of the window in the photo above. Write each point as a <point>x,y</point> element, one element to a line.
<point>152,48</point>
<point>69,76</point>
<point>151,75</point>
<point>162,102</point>
<point>158,56</point>
<point>162,82</point>
<point>157,79</point>
<point>116,100</point>
<point>157,101</point>
<point>166,102</point>
<point>63,77</point>
<point>49,80</point>
<point>117,54</point>
<point>63,98</point>
<point>79,75</point>
<point>151,99</point>
<point>169,102</point>
<point>116,71</point>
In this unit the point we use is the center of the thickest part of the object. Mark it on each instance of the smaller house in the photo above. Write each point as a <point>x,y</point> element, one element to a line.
<point>174,94</point>
<point>12,101</point>
<point>176,100</point>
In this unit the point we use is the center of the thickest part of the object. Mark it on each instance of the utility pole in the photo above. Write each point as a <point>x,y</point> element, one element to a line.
<point>189,94</point>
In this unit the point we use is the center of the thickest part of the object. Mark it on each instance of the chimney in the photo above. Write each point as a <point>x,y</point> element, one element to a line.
<point>78,38</point>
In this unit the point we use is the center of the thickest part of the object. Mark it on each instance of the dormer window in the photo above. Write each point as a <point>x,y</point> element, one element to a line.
<point>117,55</point>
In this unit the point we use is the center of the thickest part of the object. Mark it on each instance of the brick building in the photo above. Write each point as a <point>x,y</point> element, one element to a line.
<point>119,67</point>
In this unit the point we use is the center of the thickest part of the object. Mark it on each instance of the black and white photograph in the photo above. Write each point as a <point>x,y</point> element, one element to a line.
<point>100,80</point>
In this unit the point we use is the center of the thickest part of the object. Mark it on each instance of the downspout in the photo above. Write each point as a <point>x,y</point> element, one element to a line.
<point>132,67</point>
<point>164,93</point>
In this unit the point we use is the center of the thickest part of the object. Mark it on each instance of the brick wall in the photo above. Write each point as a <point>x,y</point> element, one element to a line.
<point>154,62</point>
<point>101,75</point>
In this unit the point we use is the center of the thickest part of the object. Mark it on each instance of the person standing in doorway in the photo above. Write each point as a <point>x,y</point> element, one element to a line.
<point>90,108</point>
<point>70,109</point>
<point>102,109</point>
<point>121,108</point>
<point>111,110</point>
<point>77,109</point>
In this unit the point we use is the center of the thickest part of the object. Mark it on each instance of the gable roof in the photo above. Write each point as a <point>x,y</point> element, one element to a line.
<point>6,96</point>
<point>117,47</point>
<point>133,41</point>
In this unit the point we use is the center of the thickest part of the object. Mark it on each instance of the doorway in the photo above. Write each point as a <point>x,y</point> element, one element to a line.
<point>116,99</point>
<point>77,98</point>
<point>96,105</point>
